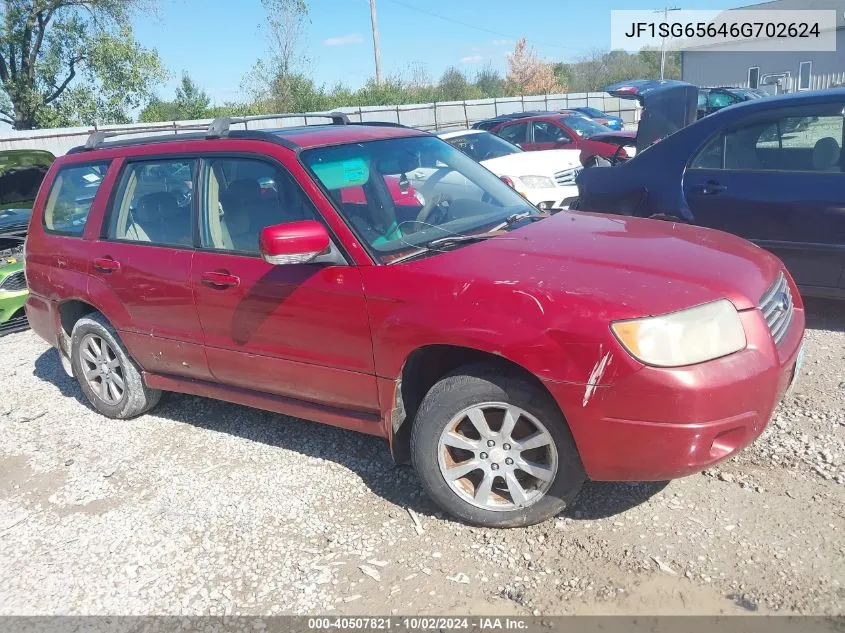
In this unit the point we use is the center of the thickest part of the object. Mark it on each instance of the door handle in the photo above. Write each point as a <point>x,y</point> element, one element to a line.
<point>106,264</point>
<point>711,187</point>
<point>220,280</point>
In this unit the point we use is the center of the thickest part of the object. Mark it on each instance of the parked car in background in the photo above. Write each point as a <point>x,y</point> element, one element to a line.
<point>488,124</point>
<point>769,170</point>
<point>562,131</point>
<point>642,350</point>
<point>602,118</point>
<point>711,100</point>
<point>13,292</point>
<point>21,173</point>
<point>545,178</point>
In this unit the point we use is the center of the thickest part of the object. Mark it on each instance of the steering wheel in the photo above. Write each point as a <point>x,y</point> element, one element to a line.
<point>433,212</point>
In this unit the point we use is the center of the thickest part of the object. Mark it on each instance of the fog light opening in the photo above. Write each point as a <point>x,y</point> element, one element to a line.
<point>727,442</point>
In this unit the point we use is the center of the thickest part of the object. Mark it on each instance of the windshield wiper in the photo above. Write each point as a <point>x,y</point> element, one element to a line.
<point>518,217</point>
<point>457,239</point>
<point>436,246</point>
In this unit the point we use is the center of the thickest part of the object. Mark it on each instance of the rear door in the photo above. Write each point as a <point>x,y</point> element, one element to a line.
<point>779,182</point>
<point>140,268</point>
<point>548,135</point>
<point>299,330</point>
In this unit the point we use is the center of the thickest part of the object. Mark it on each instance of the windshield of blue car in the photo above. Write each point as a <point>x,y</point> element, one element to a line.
<point>584,127</point>
<point>399,194</point>
<point>482,146</point>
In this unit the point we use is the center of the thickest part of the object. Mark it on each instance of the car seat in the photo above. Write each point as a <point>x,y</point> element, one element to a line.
<point>159,218</point>
<point>826,155</point>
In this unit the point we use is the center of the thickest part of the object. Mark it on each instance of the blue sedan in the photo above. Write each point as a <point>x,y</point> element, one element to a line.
<point>608,120</point>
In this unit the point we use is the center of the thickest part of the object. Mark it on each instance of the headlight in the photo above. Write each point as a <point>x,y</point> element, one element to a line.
<point>537,182</point>
<point>682,338</point>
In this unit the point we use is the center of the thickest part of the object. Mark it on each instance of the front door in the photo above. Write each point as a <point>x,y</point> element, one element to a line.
<point>547,135</point>
<point>780,183</point>
<point>299,331</point>
<point>140,271</point>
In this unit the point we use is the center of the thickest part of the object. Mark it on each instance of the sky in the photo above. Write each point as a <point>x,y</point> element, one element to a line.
<point>218,41</point>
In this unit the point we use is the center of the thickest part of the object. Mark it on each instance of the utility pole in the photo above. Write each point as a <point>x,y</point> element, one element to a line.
<point>376,50</point>
<point>665,13</point>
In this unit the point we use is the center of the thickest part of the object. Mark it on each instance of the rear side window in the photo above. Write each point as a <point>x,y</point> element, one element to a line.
<point>797,144</point>
<point>71,196</point>
<point>154,203</point>
<point>514,133</point>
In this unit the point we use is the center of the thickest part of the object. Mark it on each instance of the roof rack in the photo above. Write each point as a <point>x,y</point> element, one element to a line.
<point>97,138</point>
<point>217,128</point>
<point>220,126</point>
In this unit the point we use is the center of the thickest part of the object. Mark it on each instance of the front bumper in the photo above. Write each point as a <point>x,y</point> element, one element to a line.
<point>11,303</point>
<point>657,424</point>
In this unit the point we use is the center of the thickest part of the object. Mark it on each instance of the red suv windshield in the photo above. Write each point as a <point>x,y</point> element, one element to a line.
<point>454,195</point>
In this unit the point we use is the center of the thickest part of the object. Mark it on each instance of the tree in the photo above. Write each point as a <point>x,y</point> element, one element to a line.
<point>276,79</point>
<point>453,85</point>
<point>489,81</point>
<point>72,61</point>
<point>191,102</point>
<point>528,75</point>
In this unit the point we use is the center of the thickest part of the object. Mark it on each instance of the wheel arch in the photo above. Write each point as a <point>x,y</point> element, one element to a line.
<point>422,368</point>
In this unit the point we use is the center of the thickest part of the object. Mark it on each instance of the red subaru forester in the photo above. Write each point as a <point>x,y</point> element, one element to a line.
<point>508,355</point>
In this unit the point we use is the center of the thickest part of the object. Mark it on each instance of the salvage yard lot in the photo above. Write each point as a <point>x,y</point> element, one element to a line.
<point>209,507</point>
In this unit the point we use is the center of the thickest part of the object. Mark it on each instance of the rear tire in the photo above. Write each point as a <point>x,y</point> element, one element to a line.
<point>109,378</point>
<point>496,491</point>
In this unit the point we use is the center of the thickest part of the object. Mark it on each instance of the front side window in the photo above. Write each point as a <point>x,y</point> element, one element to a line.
<point>514,133</point>
<point>71,197</point>
<point>754,77</point>
<point>244,195</point>
<point>154,203</point>
<point>400,194</point>
<point>545,132</point>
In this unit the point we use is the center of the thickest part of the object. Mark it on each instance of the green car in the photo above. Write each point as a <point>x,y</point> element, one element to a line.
<point>21,173</point>
<point>13,294</point>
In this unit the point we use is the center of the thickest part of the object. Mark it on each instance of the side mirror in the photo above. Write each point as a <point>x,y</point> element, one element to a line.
<point>293,243</point>
<point>563,141</point>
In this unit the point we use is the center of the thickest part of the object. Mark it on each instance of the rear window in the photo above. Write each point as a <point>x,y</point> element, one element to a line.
<point>71,196</point>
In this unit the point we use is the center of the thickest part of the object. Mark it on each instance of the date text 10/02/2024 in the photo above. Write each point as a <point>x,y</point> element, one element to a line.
<point>417,623</point>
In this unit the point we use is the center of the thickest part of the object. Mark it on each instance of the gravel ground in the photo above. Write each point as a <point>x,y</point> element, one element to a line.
<point>210,508</point>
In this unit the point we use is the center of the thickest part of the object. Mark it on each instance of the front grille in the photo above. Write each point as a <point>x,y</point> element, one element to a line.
<point>777,308</point>
<point>14,282</point>
<point>567,176</point>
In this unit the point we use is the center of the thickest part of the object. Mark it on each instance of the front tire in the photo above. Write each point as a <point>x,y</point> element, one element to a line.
<point>494,450</point>
<point>109,378</point>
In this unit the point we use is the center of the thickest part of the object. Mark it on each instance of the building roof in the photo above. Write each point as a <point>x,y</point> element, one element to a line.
<point>802,5</point>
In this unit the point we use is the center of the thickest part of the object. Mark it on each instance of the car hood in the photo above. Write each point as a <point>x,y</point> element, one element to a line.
<point>667,106</point>
<point>21,173</point>
<point>625,267</point>
<point>543,163</point>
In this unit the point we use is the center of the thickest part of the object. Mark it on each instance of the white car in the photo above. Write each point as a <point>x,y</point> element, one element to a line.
<point>546,178</point>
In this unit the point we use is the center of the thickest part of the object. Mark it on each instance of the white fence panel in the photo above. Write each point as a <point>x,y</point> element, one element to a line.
<point>426,116</point>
